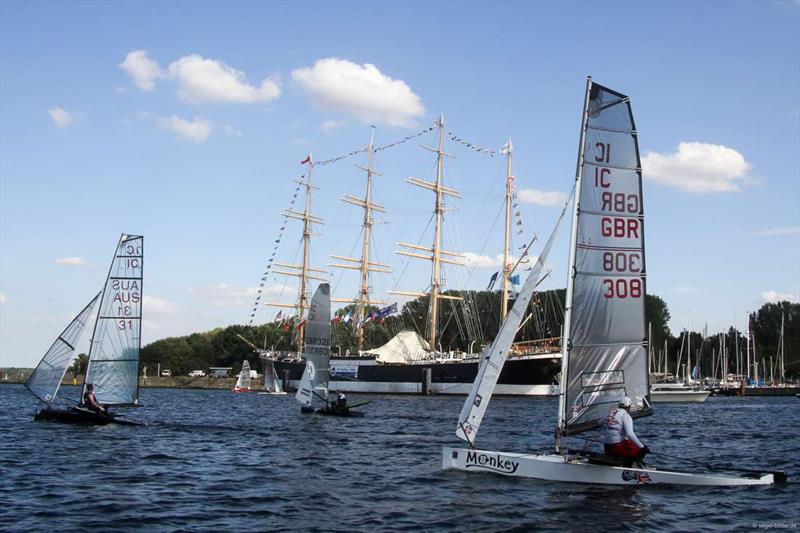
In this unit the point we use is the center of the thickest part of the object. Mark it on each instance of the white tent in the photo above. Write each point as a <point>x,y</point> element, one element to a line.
<point>404,347</point>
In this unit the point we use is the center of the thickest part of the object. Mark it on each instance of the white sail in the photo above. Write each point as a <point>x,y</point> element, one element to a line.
<point>113,365</point>
<point>271,381</point>
<point>47,376</point>
<point>495,356</point>
<point>605,352</point>
<point>317,373</point>
<point>243,381</point>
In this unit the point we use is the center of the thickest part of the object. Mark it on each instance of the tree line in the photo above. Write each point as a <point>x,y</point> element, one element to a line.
<point>468,327</point>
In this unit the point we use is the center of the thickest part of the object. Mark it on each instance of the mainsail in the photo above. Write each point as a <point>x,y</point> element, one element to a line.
<point>317,348</point>
<point>605,348</point>
<point>495,357</point>
<point>46,378</point>
<point>113,365</point>
<point>243,381</point>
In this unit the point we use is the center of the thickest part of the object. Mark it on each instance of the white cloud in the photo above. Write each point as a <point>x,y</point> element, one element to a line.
<point>208,80</point>
<point>330,125</point>
<point>775,297</point>
<point>698,167</point>
<point>61,118</point>
<point>71,261</point>
<point>790,230</point>
<point>151,304</point>
<point>361,91</point>
<point>532,196</point>
<point>3,298</point>
<point>197,130</point>
<point>227,295</point>
<point>231,131</point>
<point>483,261</point>
<point>142,69</point>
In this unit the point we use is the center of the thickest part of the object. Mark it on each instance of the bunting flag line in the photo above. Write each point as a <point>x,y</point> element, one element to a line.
<point>268,268</point>
<point>378,149</point>
<point>472,146</point>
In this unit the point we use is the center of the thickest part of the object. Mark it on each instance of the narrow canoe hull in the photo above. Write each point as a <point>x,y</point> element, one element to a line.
<point>77,415</point>
<point>678,396</point>
<point>577,469</point>
<point>331,412</point>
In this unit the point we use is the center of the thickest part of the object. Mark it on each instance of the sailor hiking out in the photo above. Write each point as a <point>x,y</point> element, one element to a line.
<point>619,440</point>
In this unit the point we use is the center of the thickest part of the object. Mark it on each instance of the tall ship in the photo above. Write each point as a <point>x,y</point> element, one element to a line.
<point>413,361</point>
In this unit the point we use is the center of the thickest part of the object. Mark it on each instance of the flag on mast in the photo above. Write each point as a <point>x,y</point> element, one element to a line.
<point>306,160</point>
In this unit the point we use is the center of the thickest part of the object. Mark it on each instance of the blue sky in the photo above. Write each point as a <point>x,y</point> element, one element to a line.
<point>185,122</point>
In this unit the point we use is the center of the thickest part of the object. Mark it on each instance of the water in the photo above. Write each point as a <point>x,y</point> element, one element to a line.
<point>212,460</point>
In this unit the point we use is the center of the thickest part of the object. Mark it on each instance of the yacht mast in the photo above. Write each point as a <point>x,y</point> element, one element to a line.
<point>302,271</point>
<point>363,265</point>
<point>435,252</point>
<point>508,266</point>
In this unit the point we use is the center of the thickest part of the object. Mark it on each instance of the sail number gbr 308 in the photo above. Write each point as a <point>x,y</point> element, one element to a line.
<point>622,228</point>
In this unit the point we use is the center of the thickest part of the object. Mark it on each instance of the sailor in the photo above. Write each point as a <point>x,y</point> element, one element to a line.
<point>618,437</point>
<point>90,402</point>
<point>341,400</point>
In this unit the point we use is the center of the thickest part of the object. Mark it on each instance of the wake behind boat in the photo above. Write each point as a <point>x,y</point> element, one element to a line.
<point>605,355</point>
<point>113,363</point>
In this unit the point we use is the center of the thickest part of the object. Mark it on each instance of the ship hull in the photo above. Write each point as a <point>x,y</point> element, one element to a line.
<point>525,376</point>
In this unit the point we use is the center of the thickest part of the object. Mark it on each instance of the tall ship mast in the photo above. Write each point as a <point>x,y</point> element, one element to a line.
<point>507,265</point>
<point>434,253</point>
<point>302,271</point>
<point>363,265</point>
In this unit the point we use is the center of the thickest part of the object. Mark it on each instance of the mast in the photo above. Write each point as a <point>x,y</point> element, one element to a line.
<point>782,369</point>
<point>302,271</point>
<point>573,239</point>
<point>364,265</point>
<point>435,252</point>
<point>748,346</point>
<point>507,265</point>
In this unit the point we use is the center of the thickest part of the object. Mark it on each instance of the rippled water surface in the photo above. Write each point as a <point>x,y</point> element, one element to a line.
<point>212,460</point>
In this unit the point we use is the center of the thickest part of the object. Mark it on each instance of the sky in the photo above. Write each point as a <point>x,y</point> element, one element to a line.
<point>186,123</point>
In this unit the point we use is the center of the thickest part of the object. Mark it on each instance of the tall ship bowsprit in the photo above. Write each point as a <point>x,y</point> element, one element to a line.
<point>413,361</point>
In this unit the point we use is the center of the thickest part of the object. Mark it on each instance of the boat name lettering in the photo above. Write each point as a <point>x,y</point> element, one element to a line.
<point>317,350</point>
<point>604,155</point>
<point>600,177</point>
<point>622,261</point>
<point>491,462</point>
<point>319,341</point>
<point>127,297</point>
<point>638,477</point>
<point>621,228</point>
<point>133,250</point>
<point>125,284</point>
<point>622,288</point>
<point>619,202</point>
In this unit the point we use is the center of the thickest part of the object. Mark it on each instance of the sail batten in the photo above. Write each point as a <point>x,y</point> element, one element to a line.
<point>46,378</point>
<point>113,366</point>
<point>605,348</point>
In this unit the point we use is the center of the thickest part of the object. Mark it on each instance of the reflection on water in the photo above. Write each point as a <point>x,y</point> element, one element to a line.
<point>213,460</point>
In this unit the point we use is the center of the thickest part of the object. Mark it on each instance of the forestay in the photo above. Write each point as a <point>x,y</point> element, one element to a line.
<point>114,355</point>
<point>47,376</point>
<point>317,348</point>
<point>605,354</point>
<point>494,358</point>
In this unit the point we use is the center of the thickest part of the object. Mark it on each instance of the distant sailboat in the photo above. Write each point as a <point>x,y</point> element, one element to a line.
<point>313,389</point>
<point>243,381</point>
<point>272,385</point>
<point>605,344</point>
<point>113,363</point>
